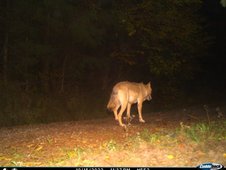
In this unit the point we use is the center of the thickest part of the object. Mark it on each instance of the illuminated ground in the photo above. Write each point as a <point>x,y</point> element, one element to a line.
<point>166,139</point>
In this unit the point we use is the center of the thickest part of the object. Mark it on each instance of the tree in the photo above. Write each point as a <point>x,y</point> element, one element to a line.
<point>168,33</point>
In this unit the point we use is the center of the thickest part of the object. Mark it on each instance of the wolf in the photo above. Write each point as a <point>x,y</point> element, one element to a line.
<point>125,94</point>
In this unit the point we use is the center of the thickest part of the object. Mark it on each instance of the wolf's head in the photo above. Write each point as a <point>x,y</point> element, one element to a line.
<point>148,91</point>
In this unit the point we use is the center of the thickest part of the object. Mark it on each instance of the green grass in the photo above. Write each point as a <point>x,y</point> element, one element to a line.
<point>205,131</point>
<point>197,132</point>
<point>111,145</point>
<point>147,136</point>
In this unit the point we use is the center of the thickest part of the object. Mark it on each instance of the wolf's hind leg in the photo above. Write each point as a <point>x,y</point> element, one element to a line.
<point>123,108</point>
<point>116,112</point>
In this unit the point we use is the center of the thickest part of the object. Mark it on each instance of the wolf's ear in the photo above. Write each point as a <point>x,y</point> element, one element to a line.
<point>149,84</point>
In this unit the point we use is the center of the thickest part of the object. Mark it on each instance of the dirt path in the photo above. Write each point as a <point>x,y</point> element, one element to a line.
<point>103,143</point>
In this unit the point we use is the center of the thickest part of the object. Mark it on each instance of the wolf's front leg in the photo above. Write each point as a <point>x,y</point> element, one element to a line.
<point>139,106</point>
<point>128,113</point>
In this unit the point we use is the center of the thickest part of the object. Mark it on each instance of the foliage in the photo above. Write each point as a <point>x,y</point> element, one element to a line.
<point>65,55</point>
<point>168,40</point>
<point>111,145</point>
<point>148,137</point>
<point>203,131</point>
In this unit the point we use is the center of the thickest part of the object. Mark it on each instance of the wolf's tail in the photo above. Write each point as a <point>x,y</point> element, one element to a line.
<point>112,102</point>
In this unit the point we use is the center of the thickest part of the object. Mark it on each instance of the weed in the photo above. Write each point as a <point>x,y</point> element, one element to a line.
<point>198,132</point>
<point>205,131</point>
<point>79,151</point>
<point>192,134</point>
<point>203,128</point>
<point>18,156</point>
<point>74,153</point>
<point>49,140</point>
<point>111,145</point>
<point>148,137</point>
<point>17,163</point>
<point>70,154</point>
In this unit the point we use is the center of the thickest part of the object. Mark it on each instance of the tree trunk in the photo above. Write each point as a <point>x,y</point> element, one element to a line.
<point>5,60</point>
<point>45,77</point>
<point>63,75</point>
<point>45,60</point>
<point>5,46</point>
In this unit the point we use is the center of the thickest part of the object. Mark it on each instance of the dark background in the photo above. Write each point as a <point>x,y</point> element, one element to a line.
<point>60,59</point>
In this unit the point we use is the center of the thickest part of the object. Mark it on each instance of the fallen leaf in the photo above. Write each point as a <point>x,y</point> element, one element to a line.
<point>30,145</point>
<point>107,157</point>
<point>200,153</point>
<point>39,148</point>
<point>170,156</point>
<point>224,155</point>
<point>5,158</point>
<point>181,146</point>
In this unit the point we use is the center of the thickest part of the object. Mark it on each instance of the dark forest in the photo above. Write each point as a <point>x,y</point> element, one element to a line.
<point>60,59</point>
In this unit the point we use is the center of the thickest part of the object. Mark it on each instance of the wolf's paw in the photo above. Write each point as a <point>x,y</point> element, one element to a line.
<point>127,119</point>
<point>116,118</point>
<point>142,120</point>
<point>123,125</point>
<point>126,129</point>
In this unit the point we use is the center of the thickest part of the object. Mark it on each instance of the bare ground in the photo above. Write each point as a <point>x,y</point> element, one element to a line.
<point>102,142</point>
